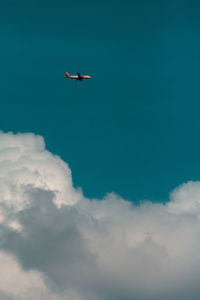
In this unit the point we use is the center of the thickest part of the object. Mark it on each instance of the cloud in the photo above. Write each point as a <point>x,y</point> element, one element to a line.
<point>56,244</point>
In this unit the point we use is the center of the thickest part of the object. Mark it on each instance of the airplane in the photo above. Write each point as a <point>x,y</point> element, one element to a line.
<point>77,77</point>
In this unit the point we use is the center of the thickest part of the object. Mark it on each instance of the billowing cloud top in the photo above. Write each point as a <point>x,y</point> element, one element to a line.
<point>56,244</point>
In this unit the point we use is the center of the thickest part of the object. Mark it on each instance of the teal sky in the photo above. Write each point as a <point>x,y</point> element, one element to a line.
<point>134,128</point>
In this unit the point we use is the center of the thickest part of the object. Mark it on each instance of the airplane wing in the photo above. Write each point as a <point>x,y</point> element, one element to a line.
<point>79,75</point>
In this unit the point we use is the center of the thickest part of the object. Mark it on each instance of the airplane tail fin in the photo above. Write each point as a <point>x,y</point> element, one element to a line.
<point>66,74</point>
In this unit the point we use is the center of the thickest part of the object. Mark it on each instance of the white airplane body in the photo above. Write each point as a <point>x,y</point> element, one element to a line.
<point>77,77</point>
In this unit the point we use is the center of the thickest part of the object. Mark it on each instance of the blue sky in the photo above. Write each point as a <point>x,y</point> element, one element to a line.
<point>132,129</point>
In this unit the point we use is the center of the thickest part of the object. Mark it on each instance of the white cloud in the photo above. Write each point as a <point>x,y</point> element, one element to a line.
<point>24,161</point>
<point>56,244</point>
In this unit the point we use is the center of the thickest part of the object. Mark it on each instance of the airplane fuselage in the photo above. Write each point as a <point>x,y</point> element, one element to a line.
<point>77,77</point>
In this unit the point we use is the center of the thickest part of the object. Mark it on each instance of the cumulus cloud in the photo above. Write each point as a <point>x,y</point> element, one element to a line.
<point>56,244</point>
